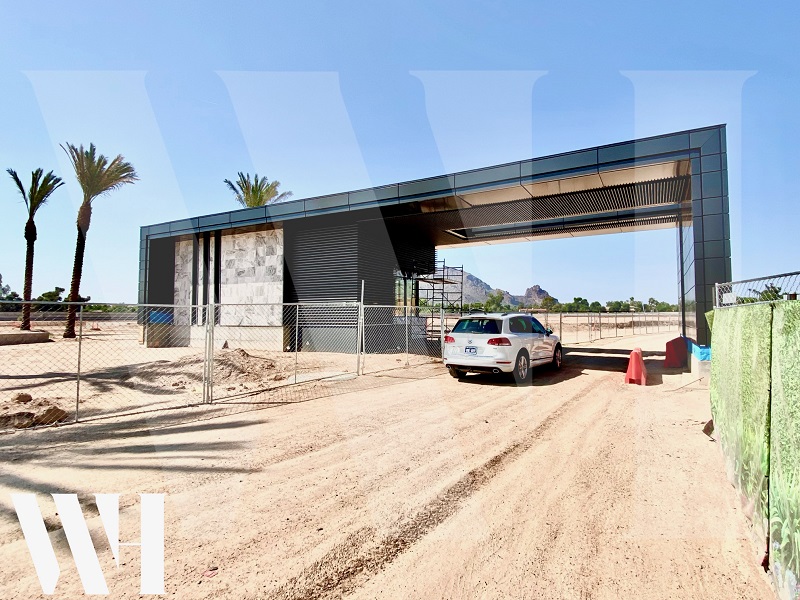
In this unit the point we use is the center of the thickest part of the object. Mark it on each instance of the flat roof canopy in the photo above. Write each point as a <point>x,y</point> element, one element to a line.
<point>586,203</point>
<point>636,185</point>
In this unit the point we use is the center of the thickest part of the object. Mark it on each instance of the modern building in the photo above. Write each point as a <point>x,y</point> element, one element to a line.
<point>320,249</point>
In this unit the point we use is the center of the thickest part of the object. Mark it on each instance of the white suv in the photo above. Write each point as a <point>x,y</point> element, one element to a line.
<point>500,343</point>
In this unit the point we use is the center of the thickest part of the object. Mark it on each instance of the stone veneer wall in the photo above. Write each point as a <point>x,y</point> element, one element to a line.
<point>251,289</point>
<point>252,267</point>
<point>183,280</point>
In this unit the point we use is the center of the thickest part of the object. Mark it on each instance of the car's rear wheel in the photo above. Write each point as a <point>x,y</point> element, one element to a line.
<point>522,367</point>
<point>558,357</point>
<point>457,373</point>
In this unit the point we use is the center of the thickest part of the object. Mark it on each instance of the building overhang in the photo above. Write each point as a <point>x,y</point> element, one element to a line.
<point>595,190</point>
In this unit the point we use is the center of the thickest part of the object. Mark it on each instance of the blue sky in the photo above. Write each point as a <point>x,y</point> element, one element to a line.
<point>328,97</point>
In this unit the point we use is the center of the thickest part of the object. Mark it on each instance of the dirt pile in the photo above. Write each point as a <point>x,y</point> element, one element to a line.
<point>22,411</point>
<point>232,367</point>
<point>237,366</point>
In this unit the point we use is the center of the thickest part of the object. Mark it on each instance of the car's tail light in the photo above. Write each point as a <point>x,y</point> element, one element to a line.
<point>449,339</point>
<point>501,341</point>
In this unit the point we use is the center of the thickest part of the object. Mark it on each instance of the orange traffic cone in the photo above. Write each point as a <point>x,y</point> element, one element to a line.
<point>637,373</point>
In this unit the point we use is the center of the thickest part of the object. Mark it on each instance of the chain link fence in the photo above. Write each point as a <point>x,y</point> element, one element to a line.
<point>122,358</point>
<point>258,349</point>
<point>130,359</point>
<point>575,328</point>
<point>757,291</point>
<point>133,359</point>
<point>402,336</point>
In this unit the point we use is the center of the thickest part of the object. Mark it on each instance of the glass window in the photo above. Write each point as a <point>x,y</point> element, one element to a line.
<point>477,325</point>
<point>537,327</point>
<point>519,325</point>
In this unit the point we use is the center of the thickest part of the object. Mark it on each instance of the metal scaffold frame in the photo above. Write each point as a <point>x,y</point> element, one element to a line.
<point>444,287</point>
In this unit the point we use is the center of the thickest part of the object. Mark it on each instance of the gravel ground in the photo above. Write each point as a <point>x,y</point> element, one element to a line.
<point>576,486</point>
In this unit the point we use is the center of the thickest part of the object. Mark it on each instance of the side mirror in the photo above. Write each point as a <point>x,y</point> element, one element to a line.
<point>548,331</point>
<point>447,331</point>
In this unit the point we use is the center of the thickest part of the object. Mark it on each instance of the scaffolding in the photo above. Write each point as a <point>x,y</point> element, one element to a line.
<point>444,287</point>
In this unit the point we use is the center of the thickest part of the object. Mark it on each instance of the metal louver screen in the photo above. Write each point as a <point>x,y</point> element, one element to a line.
<point>321,264</point>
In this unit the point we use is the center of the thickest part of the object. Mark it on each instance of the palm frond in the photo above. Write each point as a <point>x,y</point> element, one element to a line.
<point>258,191</point>
<point>95,174</point>
<point>239,188</point>
<point>21,187</point>
<point>40,189</point>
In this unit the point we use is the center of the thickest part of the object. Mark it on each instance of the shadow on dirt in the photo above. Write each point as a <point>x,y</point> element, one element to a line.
<point>576,361</point>
<point>539,376</point>
<point>617,361</point>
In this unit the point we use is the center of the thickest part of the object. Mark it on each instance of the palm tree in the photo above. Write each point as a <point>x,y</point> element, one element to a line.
<point>258,192</point>
<point>96,176</point>
<point>35,198</point>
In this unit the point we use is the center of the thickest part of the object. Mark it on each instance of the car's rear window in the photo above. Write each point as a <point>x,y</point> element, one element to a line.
<point>477,326</point>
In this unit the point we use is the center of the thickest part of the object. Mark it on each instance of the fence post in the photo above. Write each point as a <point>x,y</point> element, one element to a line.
<point>441,330</point>
<point>361,344</point>
<point>600,325</point>
<point>560,324</point>
<point>208,365</point>
<point>358,339</point>
<point>211,312</point>
<point>195,311</point>
<point>208,357</point>
<point>297,338</point>
<point>80,347</point>
<point>205,360</point>
<point>408,318</point>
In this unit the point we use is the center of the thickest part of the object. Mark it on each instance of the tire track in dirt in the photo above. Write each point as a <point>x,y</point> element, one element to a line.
<point>360,556</point>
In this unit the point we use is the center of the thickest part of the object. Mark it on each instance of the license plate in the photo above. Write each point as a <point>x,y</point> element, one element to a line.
<point>470,350</point>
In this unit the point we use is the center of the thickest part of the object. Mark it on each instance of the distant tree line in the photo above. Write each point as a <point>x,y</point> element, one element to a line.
<point>53,296</point>
<point>494,303</point>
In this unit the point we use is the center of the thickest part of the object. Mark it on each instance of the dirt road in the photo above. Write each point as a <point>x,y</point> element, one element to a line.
<point>577,486</point>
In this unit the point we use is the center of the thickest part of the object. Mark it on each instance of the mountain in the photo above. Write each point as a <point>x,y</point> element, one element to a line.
<point>477,290</point>
<point>534,296</point>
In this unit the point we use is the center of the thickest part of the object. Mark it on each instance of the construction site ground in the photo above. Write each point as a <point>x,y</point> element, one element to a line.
<point>575,486</point>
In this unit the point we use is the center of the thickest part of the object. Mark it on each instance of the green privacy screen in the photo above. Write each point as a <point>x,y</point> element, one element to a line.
<point>755,401</point>
<point>784,481</point>
<point>740,378</point>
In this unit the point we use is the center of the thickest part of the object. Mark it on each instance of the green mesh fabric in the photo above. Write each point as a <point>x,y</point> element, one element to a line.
<point>741,346</point>
<point>784,481</point>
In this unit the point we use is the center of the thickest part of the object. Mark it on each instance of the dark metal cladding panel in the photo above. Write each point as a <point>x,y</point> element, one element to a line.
<point>321,263</point>
<point>377,261</point>
<point>161,273</point>
<point>415,253</point>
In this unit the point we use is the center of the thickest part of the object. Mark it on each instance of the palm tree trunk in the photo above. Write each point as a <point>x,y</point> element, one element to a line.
<point>30,239</point>
<point>84,219</point>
